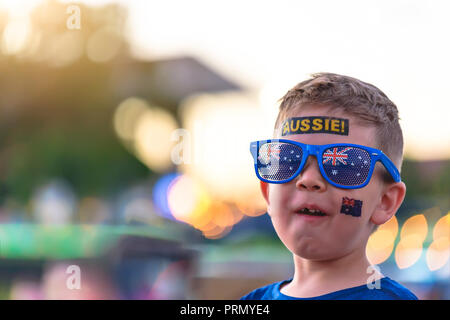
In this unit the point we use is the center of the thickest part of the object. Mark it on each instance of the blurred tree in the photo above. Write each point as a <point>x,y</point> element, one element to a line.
<point>427,185</point>
<point>56,112</point>
<point>427,178</point>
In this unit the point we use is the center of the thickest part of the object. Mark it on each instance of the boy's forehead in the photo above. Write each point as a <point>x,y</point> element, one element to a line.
<point>309,118</point>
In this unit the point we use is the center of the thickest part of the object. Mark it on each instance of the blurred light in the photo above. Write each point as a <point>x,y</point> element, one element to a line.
<point>438,252</point>
<point>215,231</point>
<point>238,215</point>
<point>126,116</point>
<point>139,209</point>
<point>442,227</point>
<point>415,225</point>
<point>222,215</point>
<point>270,94</point>
<point>381,242</point>
<point>169,283</point>
<point>15,36</point>
<point>19,7</point>
<point>218,220</point>
<point>408,251</point>
<point>257,206</point>
<point>64,49</point>
<point>136,205</point>
<point>152,136</point>
<point>25,290</point>
<point>33,45</point>
<point>160,190</point>
<point>251,211</point>
<point>147,130</point>
<point>188,201</point>
<point>412,236</point>
<point>222,126</point>
<point>54,203</point>
<point>103,45</point>
<point>92,3</point>
<point>93,210</point>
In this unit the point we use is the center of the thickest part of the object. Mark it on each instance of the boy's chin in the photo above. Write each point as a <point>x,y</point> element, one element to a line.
<point>312,256</point>
<point>315,255</point>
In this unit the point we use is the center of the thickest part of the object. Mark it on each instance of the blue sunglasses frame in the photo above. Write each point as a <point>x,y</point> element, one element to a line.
<point>317,151</point>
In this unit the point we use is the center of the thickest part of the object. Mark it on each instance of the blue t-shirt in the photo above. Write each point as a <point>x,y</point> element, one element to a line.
<point>389,290</point>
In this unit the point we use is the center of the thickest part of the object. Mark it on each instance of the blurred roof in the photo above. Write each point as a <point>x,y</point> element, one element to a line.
<point>168,82</point>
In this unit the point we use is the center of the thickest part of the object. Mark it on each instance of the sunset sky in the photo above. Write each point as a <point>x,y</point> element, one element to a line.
<point>402,47</point>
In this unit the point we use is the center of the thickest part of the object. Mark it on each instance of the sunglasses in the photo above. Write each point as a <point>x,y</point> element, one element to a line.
<point>347,166</point>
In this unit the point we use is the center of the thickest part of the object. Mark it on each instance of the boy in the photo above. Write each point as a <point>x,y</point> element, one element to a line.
<point>330,178</point>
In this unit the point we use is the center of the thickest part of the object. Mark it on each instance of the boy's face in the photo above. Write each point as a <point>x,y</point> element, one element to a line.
<point>336,234</point>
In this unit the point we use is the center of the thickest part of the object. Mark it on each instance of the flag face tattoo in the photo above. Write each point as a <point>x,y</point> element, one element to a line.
<point>351,207</point>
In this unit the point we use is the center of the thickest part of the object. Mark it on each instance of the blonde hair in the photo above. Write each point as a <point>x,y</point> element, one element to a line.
<point>368,104</point>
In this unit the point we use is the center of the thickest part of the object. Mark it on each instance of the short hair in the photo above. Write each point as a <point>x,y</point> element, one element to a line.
<point>368,104</point>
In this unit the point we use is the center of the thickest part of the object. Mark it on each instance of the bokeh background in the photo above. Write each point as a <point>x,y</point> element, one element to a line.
<point>125,127</point>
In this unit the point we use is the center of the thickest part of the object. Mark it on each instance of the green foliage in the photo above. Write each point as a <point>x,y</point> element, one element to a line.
<point>426,179</point>
<point>91,160</point>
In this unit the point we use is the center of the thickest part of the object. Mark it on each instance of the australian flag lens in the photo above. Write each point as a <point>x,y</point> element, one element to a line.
<point>348,166</point>
<point>278,161</point>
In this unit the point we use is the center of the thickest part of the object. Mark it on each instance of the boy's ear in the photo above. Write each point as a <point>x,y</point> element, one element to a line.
<point>391,199</point>
<point>264,190</point>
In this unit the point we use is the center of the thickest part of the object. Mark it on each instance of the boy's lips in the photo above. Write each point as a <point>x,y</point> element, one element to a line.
<point>312,209</point>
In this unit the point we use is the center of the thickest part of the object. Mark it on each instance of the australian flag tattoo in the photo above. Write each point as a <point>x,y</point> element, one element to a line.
<point>351,207</point>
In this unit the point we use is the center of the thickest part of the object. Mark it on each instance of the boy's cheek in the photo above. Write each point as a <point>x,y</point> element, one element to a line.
<point>277,193</point>
<point>278,205</point>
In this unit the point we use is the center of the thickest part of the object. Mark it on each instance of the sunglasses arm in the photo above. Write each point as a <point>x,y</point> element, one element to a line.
<point>390,167</point>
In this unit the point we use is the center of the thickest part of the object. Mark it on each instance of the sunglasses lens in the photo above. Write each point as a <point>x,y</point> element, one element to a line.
<point>347,166</point>
<point>278,161</point>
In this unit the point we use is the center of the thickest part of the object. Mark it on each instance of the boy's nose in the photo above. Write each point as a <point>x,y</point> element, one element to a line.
<point>310,178</point>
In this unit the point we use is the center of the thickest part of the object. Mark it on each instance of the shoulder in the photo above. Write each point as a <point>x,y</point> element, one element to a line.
<point>268,292</point>
<point>394,290</point>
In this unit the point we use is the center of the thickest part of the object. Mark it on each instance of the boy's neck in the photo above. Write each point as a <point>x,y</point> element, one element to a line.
<point>315,278</point>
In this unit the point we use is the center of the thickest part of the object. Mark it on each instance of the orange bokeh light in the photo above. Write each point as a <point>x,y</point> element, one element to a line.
<point>412,236</point>
<point>381,242</point>
<point>438,252</point>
